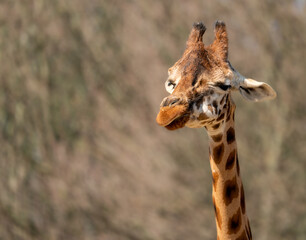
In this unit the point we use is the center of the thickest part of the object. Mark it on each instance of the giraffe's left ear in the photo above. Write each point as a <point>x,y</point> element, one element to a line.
<point>256,91</point>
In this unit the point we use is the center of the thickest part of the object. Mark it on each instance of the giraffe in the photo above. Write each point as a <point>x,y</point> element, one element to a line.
<point>200,85</point>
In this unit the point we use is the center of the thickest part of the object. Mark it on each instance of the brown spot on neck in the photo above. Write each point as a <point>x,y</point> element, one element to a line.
<point>230,135</point>
<point>202,117</point>
<point>216,126</point>
<point>220,117</point>
<point>231,190</point>
<point>218,152</point>
<point>234,223</point>
<point>230,162</point>
<point>217,138</point>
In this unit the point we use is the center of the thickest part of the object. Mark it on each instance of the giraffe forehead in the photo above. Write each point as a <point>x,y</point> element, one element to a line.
<point>196,75</point>
<point>204,59</point>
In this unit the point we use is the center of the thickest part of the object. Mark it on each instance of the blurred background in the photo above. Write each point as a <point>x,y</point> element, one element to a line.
<point>81,154</point>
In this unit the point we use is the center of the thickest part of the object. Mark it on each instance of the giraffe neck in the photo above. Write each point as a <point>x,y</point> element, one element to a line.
<point>228,194</point>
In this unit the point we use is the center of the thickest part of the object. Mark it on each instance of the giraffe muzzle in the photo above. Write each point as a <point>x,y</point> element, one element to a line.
<point>173,117</point>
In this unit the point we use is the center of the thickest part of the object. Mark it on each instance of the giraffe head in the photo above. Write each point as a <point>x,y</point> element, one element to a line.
<point>201,81</point>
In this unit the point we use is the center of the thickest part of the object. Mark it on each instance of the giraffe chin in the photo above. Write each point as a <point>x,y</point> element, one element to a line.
<point>178,123</point>
<point>173,117</point>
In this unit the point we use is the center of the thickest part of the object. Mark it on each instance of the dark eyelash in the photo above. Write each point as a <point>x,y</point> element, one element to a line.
<point>171,83</point>
<point>223,86</point>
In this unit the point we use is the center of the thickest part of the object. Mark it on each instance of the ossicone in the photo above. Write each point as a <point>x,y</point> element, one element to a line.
<point>220,44</point>
<point>197,33</point>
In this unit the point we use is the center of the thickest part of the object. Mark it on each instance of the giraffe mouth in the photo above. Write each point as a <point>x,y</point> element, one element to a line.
<point>178,123</point>
<point>173,117</point>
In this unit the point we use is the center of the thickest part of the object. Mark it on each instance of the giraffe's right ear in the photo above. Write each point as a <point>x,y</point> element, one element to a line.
<point>256,91</point>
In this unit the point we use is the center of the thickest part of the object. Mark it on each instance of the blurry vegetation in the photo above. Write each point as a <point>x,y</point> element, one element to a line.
<point>81,155</point>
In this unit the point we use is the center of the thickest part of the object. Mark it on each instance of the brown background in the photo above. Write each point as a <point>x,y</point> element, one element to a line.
<point>81,154</point>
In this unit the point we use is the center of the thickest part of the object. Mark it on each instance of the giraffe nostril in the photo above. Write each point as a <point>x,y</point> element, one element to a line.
<point>169,102</point>
<point>174,101</point>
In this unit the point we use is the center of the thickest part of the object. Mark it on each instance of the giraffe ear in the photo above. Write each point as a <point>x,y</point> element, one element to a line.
<point>256,91</point>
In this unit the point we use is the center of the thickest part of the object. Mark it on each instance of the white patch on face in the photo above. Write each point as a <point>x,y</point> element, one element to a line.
<point>206,110</point>
<point>174,78</point>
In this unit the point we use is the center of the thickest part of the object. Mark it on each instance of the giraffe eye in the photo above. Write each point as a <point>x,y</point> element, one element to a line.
<point>225,87</point>
<point>171,83</point>
<point>222,86</point>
